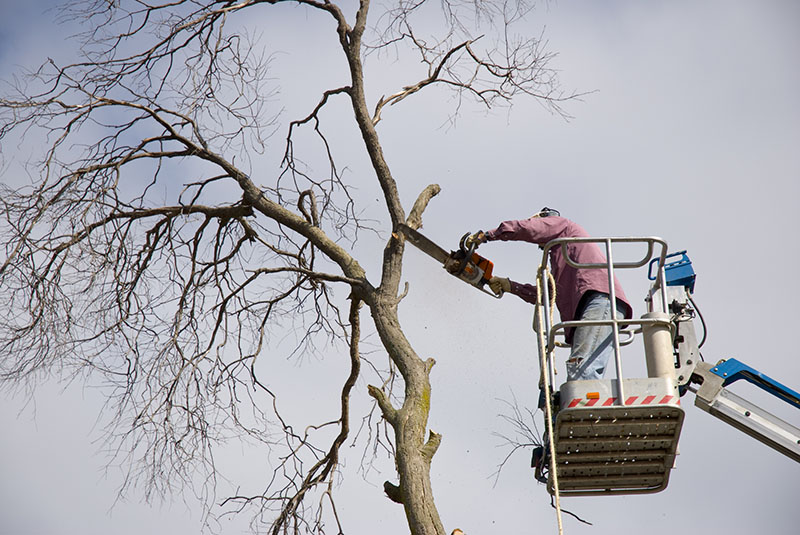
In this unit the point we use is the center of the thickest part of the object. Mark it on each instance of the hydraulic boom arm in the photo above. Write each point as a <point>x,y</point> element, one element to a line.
<point>714,398</point>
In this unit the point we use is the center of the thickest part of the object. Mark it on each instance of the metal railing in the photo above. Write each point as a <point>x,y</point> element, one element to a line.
<point>618,325</point>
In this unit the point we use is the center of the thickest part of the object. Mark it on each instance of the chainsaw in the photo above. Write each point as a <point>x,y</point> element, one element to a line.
<point>464,263</point>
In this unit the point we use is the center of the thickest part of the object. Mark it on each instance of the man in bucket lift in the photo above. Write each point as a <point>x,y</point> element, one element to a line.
<point>581,294</point>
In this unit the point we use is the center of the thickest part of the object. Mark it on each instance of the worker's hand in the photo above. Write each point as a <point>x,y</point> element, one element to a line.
<point>475,239</point>
<point>500,285</point>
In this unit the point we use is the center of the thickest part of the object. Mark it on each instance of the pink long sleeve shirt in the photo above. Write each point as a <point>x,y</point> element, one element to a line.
<point>571,283</point>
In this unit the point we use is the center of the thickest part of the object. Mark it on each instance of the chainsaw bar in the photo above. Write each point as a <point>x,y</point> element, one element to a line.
<point>424,244</point>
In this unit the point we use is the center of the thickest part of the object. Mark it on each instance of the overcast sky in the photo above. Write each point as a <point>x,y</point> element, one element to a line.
<point>690,132</point>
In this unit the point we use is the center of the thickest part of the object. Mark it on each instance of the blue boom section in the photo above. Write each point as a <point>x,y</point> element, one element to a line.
<point>732,370</point>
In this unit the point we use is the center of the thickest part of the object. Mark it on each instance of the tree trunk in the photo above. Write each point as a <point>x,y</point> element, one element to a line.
<point>409,422</point>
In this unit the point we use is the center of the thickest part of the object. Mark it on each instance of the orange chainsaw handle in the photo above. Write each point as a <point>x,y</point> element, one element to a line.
<point>484,264</point>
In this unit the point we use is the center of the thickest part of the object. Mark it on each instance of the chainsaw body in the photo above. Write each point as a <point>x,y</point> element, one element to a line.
<point>463,263</point>
<point>471,268</point>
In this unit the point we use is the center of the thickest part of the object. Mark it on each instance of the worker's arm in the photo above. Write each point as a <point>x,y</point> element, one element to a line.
<point>539,230</point>
<point>501,285</point>
<point>526,292</point>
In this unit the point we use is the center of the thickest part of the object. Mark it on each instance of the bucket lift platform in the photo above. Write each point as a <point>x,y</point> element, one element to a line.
<point>620,436</point>
<point>605,445</point>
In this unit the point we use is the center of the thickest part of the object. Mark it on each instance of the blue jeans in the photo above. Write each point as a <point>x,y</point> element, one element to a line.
<point>593,345</point>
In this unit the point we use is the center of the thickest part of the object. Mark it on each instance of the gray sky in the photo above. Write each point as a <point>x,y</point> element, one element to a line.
<point>691,134</point>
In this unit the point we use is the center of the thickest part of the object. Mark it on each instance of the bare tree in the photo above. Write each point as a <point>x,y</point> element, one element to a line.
<point>153,250</point>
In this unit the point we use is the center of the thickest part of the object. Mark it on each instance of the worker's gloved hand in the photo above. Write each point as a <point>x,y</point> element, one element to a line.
<point>475,239</point>
<point>500,285</point>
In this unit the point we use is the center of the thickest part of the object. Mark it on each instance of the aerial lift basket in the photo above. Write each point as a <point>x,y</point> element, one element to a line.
<point>618,436</point>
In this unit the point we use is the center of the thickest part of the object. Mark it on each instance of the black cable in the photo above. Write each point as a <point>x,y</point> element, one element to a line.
<point>553,505</point>
<point>702,320</point>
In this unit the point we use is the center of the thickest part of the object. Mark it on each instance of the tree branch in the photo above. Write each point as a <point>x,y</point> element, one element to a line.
<point>414,219</point>
<point>411,89</point>
<point>389,412</point>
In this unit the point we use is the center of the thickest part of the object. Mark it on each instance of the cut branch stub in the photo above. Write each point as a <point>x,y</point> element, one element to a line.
<point>430,447</point>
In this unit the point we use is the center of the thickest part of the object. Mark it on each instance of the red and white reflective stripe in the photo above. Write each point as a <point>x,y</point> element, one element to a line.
<point>633,400</point>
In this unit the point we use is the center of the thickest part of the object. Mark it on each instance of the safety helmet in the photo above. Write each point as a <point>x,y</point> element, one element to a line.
<point>547,212</point>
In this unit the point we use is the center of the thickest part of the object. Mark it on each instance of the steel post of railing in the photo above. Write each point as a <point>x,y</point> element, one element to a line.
<point>545,292</point>
<point>612,294</point>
